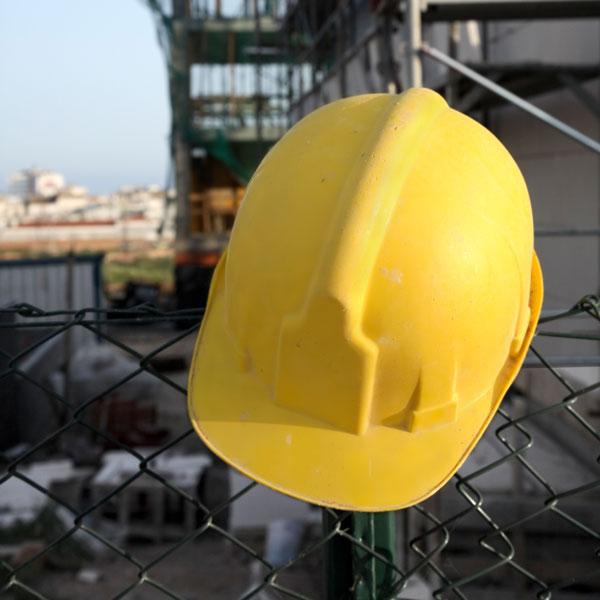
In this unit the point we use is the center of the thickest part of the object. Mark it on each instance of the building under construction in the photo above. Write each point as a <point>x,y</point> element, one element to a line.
<point>229,106</point>
<point>239,79</point>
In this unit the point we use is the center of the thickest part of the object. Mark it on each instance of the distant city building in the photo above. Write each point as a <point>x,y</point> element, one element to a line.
<point>36,183</point>
<point>134,214</point>
<point>74,191</point>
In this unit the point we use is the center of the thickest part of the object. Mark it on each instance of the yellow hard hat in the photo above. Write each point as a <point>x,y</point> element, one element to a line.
<point>376,300</point>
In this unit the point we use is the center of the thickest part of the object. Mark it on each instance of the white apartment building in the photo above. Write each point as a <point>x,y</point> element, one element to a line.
<point>36,183</point>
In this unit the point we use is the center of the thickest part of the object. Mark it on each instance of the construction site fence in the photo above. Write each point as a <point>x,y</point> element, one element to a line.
<point>519,522</point>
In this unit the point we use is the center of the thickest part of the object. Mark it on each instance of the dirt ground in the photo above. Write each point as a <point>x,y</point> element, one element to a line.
<point>206,569</point>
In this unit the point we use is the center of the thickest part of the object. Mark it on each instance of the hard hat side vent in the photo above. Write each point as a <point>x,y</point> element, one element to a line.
<point>326,367</point>
<point>435,402</point>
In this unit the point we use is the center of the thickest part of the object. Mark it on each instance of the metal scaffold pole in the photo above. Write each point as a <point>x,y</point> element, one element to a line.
<point>258,75</point>
<point>413,24</point>
<point>513,99</point>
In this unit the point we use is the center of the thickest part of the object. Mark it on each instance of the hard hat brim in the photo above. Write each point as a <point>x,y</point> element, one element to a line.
<point>387,468</point>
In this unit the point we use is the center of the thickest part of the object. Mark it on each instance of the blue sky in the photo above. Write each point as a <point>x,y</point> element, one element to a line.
<point>83,91</point>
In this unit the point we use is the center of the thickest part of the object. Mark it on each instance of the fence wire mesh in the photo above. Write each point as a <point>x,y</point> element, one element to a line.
<point>519,520</point>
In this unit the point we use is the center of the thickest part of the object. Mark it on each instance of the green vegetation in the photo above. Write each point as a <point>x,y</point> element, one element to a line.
<point>138,268</point>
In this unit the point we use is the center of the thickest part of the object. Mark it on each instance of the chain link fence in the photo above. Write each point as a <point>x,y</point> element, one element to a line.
<point>519,520</point>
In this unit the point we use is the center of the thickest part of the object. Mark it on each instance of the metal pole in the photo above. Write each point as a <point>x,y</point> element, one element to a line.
<point>97,283</point>
<point>532,362</point>
<point>373,577</point>
<point>389,74</point>
<point>258,86</point>
<point>453,44</point>
<point>353,570</point>
<point>413,23</point>
<point>338,559</point>
<point>341,47</point>
<point>69,296</point>
<point>512,98</point>
<point>179,84</point>
<point>290,73</point>
<point>567,232</point>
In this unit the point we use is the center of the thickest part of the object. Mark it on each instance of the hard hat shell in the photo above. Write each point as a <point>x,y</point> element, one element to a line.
<point>377,298</point>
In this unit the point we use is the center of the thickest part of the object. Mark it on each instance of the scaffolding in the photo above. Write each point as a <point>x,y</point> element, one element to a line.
<point>381,44</point>
<point>239,80</point>
<point>229,106</point>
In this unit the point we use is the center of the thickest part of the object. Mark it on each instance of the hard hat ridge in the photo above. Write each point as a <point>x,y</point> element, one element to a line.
<point>325,337</point>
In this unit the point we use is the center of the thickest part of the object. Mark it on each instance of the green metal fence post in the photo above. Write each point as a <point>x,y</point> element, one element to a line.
<point>352,571</point>
<point>338,559</point>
